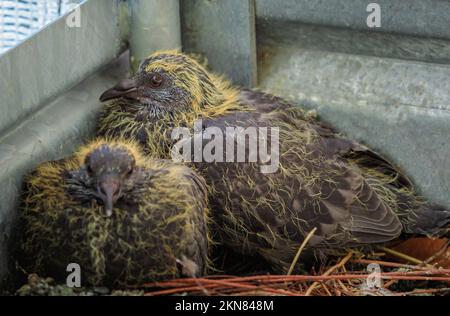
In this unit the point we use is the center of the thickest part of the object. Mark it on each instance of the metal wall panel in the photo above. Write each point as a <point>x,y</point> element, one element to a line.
<point>224,32</point>
<point>428,18</point>
<point>57,58</point>
<point>155,25</point>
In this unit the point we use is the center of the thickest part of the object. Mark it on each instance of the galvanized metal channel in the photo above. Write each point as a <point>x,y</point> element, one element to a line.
<point>155,25</point>
<point>224,32</point>
<point>428,18</point>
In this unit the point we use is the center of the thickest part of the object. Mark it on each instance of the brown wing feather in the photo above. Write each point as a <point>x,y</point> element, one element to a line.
<point>271,213</point>
<point>262,102</point>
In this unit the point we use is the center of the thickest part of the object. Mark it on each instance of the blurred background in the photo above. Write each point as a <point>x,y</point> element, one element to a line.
<point>20,19</point>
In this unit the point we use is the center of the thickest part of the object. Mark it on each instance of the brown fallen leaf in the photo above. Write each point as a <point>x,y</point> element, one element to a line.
<point>433,251</point>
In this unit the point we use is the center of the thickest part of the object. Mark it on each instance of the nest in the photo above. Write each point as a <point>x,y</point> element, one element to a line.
<point>348,276</point>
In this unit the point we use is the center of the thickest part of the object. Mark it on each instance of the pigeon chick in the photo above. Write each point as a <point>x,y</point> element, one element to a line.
<point>350,194</point>
<point>124,219</point>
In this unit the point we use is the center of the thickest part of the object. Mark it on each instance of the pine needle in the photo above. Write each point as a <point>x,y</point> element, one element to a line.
<point>402,256</point>
<point>302,246</point>
<point>329,271</point>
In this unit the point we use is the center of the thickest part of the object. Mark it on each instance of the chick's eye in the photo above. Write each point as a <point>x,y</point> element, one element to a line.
<point>156,80</point>
<point>89,168</point>
<point>130,171</point>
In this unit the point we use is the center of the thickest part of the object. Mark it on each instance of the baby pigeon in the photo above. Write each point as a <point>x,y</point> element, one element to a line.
<point>351,195</point>
<point>124,219</point>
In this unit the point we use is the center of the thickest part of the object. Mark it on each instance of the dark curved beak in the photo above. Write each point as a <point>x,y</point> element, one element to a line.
<point>109,190</point>
<point>126,88</point>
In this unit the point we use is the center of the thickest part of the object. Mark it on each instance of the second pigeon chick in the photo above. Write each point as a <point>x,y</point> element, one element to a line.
<point>122,218</point>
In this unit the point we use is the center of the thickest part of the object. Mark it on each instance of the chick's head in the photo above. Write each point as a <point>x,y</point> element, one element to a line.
<point>108,171</point>
<point>169,82</point>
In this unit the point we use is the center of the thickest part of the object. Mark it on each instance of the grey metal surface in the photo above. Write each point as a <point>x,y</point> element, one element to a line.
<point>399,107</point>
<point>50,133</point>
<point>413,17</point>
<point>340,40</point>
<point>155,25</point>
<point>224,32</point>
<point>55,59</point>
<point>20,19</point>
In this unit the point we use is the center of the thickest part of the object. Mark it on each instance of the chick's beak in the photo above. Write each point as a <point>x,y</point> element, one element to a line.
<point>126,88</point>
<point>109,192</point>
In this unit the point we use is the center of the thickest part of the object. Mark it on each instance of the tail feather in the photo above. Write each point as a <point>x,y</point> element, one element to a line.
<point>431,221</point>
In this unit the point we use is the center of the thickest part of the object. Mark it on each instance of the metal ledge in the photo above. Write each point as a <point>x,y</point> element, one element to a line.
<point>56,58</point>
<point>155,25</point>
<point>428,18</point>
<point>341,40</point>
<point>224,31</point>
